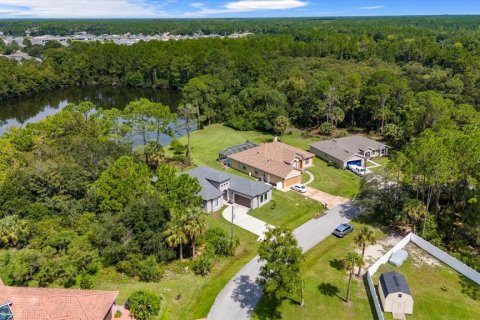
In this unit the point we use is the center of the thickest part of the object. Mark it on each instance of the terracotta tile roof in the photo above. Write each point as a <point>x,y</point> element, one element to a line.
<point>57,304</point>
<point>274,157</point>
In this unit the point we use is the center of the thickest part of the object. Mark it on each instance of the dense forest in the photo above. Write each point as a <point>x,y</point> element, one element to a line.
<point>413,81</point>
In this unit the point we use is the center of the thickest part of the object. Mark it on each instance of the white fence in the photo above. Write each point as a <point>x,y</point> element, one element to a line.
<point>428,247</point>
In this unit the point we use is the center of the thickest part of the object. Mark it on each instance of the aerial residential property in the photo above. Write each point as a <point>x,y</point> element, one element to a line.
<point>22,303</point>
<point>275,162</point>
<point>351,150</point>
<point>220,187</point>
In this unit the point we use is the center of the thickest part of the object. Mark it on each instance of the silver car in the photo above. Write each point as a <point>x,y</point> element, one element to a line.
<point>299,188</point>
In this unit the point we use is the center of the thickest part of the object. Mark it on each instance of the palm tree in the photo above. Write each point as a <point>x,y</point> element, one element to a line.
<point>415,211</point>
<point>365,236</point>
<point>352,260</point>
<point>175,235</point>
<point>195,225</point>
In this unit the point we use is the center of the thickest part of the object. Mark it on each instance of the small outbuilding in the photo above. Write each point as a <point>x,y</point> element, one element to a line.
<point>395,294</point>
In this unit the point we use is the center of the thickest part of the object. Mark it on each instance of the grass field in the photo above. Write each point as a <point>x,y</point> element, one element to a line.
<point>438,291</point>
<point>325,286</point>
<point>185,295</point>
<point>206,144</point>
<point>291,210</point>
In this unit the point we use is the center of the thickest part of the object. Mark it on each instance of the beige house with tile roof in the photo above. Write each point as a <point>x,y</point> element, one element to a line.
<point>22,303</point>
<point>276,163</point>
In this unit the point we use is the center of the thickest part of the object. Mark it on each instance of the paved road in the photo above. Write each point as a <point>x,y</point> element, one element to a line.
<point>242,219</point>
<point>238,298</point>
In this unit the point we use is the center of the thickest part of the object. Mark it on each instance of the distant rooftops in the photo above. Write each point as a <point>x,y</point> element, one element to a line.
<point>394,282</point>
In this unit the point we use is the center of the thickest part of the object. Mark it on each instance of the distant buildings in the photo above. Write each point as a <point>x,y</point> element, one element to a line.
<point>125,39</point>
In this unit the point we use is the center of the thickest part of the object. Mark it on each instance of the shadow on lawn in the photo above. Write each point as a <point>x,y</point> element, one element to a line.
<point>337,264</point>
<point>330,290</point>
<point>267,308</point>
<point>469,287</point>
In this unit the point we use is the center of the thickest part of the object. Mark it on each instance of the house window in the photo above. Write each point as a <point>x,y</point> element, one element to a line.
<point>382,151</point>
<point>263,198</point>
<point>215,203</point>
<point>256,172</point>
<point>244,167</point>
<point>307,161</point>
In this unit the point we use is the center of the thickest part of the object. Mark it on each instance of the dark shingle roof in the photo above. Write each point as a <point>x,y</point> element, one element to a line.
<point>344,148</point>
<point>394,282</point>
<point>238,184</point>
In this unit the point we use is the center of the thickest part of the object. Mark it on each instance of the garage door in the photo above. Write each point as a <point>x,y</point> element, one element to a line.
<point>290,182</point>
<point>354,163</point>
<point>241,200</point>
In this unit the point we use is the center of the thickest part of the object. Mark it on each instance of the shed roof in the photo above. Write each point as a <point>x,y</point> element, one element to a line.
<point>394,282</point>
<point>346,147</point>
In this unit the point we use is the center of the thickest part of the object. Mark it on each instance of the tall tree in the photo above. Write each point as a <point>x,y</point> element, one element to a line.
<point>352,260</point>
<point>195,225</point>
<point>415,210</point>
<point>187,114</point>
<point>175,235</point>
<point>281,275</point>
<point>364,236</point>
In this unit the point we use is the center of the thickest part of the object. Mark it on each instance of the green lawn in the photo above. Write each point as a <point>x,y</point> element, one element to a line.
<point>206,144</point>
<point>291,209</point>
<point>196,293</point>
<point>325,287</point>
<point>330,179</point>
<point>383,161</point>
<point>436,290</point>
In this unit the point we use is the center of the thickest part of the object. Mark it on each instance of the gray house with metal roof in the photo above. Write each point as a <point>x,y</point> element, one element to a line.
<point>395,294</point>
<point>220,187</point>
<point>351,150</point>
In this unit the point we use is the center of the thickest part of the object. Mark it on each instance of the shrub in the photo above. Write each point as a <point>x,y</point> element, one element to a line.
<point>117,314</point>
<point>219,241</point>
<point>202,265</point>
<point>150,270</point>
<point>326,128</point>
<point>273,204</point>
<point>144,305</point>
<point>86,281</point>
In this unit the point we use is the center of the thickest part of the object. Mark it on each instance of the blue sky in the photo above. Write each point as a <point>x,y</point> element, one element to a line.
<point>229,8</point>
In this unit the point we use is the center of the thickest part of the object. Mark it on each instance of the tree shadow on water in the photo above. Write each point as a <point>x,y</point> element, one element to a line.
<point>330,290</point>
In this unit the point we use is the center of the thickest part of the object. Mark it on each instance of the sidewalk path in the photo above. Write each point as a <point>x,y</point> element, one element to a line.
<point>238,298</point>
<point>310,179</point>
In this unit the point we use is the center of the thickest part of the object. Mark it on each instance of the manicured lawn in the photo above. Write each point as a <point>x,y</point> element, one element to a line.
<point>291,209</point>
<point>436,290</point>
<point>185,295</point>
<point>333,180</point>
<point>383,161</point>
<point>325,286</point>
<point>206,144</point>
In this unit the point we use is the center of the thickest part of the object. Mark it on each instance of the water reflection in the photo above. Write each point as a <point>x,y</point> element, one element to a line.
<point>23,110</point>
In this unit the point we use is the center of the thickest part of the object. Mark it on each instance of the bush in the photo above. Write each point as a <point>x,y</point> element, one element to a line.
<point>144,305</point>
<point>202,265</point>
<point>86,281</point>
<point>117,314</point>
<point>220,242</point>
<point>150,270</point>
<point>326,128</point>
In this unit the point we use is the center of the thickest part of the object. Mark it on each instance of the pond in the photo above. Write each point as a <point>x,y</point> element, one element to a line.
<point>23,110</point>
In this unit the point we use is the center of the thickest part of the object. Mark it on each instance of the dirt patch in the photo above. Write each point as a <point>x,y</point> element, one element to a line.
<point>420,257</point>
<point>376,251</point>
<point>327,199</point>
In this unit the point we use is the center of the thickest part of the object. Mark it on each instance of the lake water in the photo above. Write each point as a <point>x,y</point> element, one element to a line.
<point>28,109</point>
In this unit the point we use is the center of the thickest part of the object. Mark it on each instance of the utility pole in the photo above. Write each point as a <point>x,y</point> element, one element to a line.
<point>231,225</point>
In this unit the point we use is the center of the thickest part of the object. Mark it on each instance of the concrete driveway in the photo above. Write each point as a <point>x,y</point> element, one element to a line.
<point>238,298</point>
<point>242,219</point>
<point>329,200</point>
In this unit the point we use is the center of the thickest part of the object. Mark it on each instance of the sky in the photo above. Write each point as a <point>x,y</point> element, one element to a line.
<point>230,8</point>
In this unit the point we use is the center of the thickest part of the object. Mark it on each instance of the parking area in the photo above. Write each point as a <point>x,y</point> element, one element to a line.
<point>329,200</point>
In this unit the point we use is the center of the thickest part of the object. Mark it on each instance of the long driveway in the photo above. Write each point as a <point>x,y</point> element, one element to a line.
<point>238,298</point>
